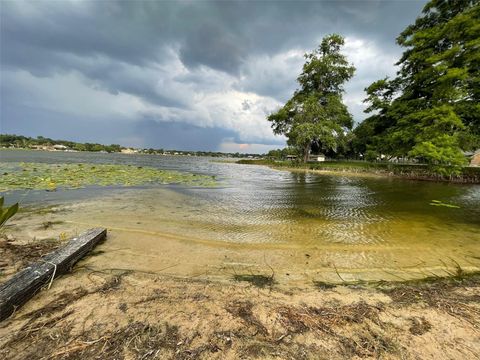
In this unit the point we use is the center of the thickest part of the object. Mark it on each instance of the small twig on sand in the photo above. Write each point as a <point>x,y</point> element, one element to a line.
<point>271,268</point>
<point>94,341</point>
<point>338,273</point>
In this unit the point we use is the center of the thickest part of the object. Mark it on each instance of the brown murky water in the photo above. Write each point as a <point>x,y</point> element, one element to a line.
<point>301,227</point>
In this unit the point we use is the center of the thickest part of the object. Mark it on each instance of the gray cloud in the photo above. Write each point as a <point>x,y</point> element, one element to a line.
<point>143,133</point>
<point>218,34</point>
<point>208,64</point>
<point>210,45</point>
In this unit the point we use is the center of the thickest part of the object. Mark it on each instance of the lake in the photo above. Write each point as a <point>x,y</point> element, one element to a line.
<point>300,226</point>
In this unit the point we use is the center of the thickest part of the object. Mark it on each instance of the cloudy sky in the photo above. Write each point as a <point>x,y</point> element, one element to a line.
<point>193,75</point>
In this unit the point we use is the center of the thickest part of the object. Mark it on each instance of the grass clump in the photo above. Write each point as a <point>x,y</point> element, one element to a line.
<point>321,285</point>
<point>419,326</point>
<point>19,255</point>
<point>48,224</point>
<point>243,310</point>
<point>441,294</point>
<point>437,292</point>
<point>261,281</point>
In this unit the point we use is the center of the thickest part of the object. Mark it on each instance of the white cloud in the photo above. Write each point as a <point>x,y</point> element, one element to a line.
<point>371,64</point>
<point>217,104</point>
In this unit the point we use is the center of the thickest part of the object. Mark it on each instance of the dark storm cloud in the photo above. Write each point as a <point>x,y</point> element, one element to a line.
<point>144,133</point>
<point>210,45</point>
<point>215,34</point>
<point>180,55</point>
<point>118,30</point>
<point>174,135</point>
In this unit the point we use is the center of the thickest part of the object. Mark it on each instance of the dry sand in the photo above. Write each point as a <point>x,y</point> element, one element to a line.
<point>115,315</point>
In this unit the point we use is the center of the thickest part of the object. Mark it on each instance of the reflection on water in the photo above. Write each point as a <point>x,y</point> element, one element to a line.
<point>305,224</point>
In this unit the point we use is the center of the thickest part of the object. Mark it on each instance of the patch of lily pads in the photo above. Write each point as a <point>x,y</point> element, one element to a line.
<point>41,176</point>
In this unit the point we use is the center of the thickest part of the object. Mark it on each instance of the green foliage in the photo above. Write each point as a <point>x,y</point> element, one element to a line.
<point>444,157</point>
<point>316,113</point>
<point>434,134</point>
<point>6,213</point>
<point>275,154</point>
<point>430,111</point>
<point>326,68</point>
<point>379,95</point>
<point>279,154</point>
<point>371,155</point>
<point>20,141</point>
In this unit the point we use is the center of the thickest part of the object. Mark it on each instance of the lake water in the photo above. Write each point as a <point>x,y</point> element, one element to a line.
<point>303,226</point>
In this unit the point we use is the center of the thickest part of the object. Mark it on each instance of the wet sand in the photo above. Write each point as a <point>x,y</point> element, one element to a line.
<point>166,232</point>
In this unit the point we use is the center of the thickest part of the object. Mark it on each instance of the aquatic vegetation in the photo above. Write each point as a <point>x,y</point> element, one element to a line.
<point>6,213</point>
<point>50,177</point>
<point>260,281</point>
<point>322,285</point>
<point>48,224</point>
<point>440,203</point>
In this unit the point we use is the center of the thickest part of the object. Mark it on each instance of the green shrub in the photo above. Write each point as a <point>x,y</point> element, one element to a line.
<point>7,212</point>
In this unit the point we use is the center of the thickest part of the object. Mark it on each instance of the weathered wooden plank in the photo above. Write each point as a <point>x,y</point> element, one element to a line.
<point>26,283</point>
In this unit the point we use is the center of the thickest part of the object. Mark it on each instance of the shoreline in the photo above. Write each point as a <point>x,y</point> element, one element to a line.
<point>372,170</point>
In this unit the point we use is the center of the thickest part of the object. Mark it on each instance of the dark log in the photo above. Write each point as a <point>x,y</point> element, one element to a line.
<point>25,284</point>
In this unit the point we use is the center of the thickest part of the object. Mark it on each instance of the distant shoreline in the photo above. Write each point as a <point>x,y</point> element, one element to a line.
<point>180,153</point>
<point>20,142</point>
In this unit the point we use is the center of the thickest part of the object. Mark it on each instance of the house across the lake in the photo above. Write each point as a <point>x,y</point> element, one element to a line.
<point>317,158</point>
<point>129,151</point>
<point>60,147</point>
<point>475,160</point>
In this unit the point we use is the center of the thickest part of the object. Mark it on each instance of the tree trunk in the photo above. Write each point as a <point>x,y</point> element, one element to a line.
<point>306,152</point>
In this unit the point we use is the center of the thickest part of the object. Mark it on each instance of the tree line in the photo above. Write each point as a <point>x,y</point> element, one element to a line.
<point>20,141</point>
<point>26,142</point>
<point>429,112</point>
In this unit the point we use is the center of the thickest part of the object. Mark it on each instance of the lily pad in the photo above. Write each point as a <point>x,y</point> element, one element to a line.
<point>50,177</point>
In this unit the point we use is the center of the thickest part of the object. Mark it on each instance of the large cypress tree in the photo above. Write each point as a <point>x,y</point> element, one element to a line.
<point>431,110</point>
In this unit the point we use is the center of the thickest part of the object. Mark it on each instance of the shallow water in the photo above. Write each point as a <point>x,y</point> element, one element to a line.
<point>304,226</point>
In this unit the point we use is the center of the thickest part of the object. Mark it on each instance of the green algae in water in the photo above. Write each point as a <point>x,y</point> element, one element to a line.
<point>40,176</point>
<point>442,204</point>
